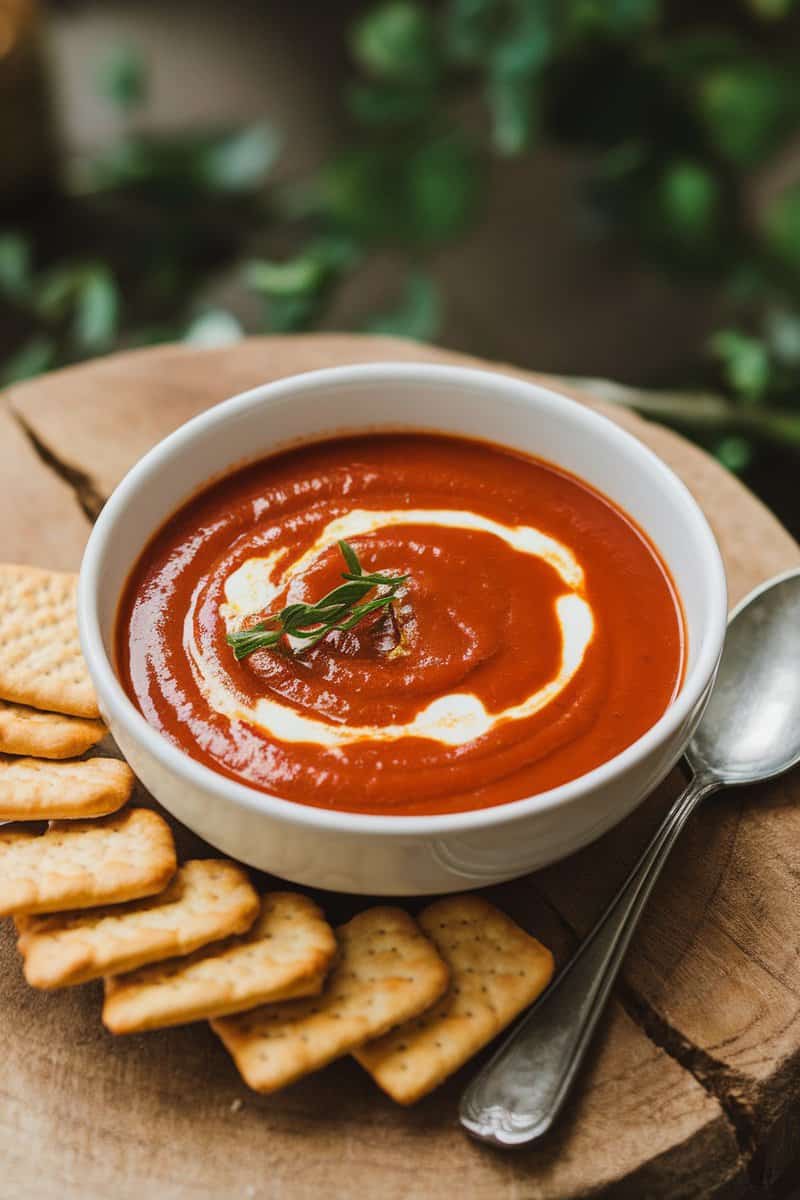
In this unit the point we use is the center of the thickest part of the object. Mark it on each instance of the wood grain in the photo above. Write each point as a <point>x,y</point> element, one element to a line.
<point>41,520</point>
<point>692,1089</point>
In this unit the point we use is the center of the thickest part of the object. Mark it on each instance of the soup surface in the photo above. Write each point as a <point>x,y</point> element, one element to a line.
<point>537,633</point>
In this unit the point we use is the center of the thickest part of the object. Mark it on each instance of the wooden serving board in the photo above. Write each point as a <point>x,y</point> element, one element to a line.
<point>693,1086</point>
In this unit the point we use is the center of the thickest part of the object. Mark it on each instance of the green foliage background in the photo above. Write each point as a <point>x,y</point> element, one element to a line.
<point>675,107</point>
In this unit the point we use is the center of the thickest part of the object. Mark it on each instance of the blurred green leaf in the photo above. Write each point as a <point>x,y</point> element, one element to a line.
<point>55,292</point>
<point>514,105</point>
<point>125,163</point>
<point>772,10</point>
<point>688,200</point>
<point>290,314</point>
<point>396,41</point>
<point>687,56</point>
<point>122,78</point>
<point>304,273</point>
<point>97,309</point>
<point>782,332</point>
<point>734,452</point>
<point>215,327</point>
<point>296,290</point>
<point>747,284</point>
<point>621,160</point>
<point>291,278</point>
<point>34,357</point>
<point>528,44</point>
<point>176,167</point>
<point>747,109</point>
<point>411,194</point>
<point>745,363</point>
<point>15,266</point>
<point>516,61</point>
<point>85,292</point>
<point>781,228</point>
<point>680,214</point>
<point>443,184</point>
<point>612,18</point>
<point>469,28</point>
<point>418,316</point>
<point>361,191</point>
<point>240,161</point>
<point>378,105</point>
<point>338,251</point>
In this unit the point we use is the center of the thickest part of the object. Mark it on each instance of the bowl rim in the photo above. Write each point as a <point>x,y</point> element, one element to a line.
<point>122,710</point>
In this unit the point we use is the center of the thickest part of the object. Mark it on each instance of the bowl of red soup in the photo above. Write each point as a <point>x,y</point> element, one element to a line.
<point>401,628</point>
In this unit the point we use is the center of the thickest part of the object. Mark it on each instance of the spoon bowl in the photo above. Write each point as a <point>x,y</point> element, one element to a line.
<point>751,728</point>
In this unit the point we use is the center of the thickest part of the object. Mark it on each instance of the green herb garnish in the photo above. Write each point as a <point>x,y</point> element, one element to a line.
<point>341,609</point>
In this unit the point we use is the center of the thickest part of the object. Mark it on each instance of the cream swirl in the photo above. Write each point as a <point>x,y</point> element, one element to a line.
<point>453,719</point>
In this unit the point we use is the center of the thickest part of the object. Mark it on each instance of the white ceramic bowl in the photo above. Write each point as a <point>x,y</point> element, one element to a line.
<point>402,855</point>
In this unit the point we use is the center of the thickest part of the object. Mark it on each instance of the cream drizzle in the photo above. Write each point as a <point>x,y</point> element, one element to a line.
<point>453,719</point>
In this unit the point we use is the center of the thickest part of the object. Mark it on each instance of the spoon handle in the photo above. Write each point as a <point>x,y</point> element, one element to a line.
<point>517,1096</point>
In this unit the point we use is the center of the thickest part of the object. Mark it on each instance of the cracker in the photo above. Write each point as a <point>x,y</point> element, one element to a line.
<point>40,656</point>
<point>496,970</point>
<point>83,864</point>
<point>29,731</point>
<point>385,972</point>
<point>207,899</point>
<point>286,954</point>
<point>36,790</point>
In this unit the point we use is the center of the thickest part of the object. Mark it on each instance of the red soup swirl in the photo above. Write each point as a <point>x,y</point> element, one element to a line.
<point>521,631</point>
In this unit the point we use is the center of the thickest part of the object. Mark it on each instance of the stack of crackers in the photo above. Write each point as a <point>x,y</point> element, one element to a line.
<point>98,893</point>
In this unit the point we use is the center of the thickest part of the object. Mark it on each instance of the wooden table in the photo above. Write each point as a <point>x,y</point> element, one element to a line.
<point>693,1086</point>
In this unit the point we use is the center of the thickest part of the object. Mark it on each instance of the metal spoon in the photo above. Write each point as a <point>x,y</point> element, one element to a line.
<point>750,732</point>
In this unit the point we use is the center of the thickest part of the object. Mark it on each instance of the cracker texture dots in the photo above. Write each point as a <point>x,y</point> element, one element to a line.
<point>496,969</point>
<point>40,656</point>
<point>83,864</point>
<point>285,954</point>
<point>206,899</point>
<point>36,790</point>
<point>386,972</point>
<point>29,731</point>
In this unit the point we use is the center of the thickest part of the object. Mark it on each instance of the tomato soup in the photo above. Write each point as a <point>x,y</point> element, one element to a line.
<point>527,630</point>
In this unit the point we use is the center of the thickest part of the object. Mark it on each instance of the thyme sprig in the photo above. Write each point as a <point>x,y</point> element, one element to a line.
<point>342,609</point>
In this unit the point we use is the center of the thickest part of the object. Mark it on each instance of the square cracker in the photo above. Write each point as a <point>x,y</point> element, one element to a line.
<point>33,790</point>
<point>496,970</point>
<point>40,656</point>
<point>29,731</point>
<point>384,973</point>
<point>206,899</point>
<point>83,864</point>
<point>285,954</point>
